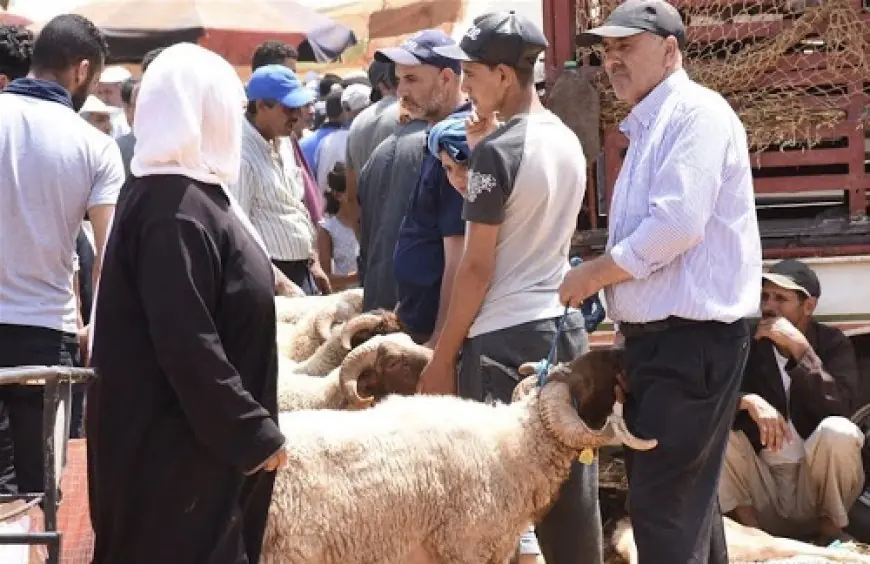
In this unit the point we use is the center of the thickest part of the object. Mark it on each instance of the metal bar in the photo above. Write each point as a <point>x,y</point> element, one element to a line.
<point>49,508</point>
<point>31,538</point>
<point>37,374</point>
<point>15,497</point>
<point>792,184</point>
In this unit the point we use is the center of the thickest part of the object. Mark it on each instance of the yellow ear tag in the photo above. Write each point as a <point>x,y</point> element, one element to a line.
<point>587,456</point>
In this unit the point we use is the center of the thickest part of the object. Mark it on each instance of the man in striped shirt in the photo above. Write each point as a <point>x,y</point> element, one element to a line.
<point>682,268</point>
<point>270,185</point>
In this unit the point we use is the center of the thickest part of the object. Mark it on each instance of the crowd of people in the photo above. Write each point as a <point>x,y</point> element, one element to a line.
<point>146,225</point>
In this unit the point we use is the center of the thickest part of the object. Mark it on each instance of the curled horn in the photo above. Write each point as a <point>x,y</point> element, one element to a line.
<point>323,322</point>
<point>359,323</point>
<point>561,419</point>
<point>354,363</point>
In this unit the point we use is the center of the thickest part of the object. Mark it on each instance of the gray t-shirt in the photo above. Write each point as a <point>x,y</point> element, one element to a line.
<point>385,184</point>
<point>126,143</point>
<point>369,129</point>
<point>54,166</point>
<point>528,177</point>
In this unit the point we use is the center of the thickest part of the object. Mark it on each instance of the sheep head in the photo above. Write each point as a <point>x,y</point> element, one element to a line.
<point>383,365</point>
<point>590,381</point>
<point>365,326</point>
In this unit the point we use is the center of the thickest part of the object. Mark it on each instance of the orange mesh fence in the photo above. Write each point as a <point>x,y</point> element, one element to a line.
<point>77,542</point>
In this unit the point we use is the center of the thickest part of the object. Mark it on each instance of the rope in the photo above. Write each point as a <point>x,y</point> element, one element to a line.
<point>544,365</point>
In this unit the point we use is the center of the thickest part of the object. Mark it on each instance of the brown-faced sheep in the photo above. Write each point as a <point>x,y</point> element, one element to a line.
<point>746,544</point>
<point>434,477</point>
<point>343,338</point>
<point>383,365</point>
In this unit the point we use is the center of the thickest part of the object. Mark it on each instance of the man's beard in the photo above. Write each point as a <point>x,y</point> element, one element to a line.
<point>79,96</point>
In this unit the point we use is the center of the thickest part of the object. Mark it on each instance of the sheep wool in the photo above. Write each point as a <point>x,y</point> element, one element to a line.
<point>453,479</point>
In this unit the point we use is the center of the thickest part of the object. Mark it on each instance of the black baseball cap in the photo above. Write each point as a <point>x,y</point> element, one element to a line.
<point>499,38</point>
<point>636,16</point>
<point>421,49</point>
<point>793,274</point>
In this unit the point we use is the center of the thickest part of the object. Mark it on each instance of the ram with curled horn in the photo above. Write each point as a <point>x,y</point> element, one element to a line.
<point>454,480</point>
<point>384,365</point>
<point>344,337</point>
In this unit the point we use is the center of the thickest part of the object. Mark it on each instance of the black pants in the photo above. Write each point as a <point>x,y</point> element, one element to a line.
<point>299,273</point>
<point>684,384</point>
<point>21,406</point>
<point>570,533</point>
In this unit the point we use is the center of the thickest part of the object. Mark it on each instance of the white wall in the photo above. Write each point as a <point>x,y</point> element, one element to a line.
<point>532,9</point>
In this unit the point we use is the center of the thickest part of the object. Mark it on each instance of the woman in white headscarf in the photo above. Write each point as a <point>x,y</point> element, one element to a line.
<point>181,424</point>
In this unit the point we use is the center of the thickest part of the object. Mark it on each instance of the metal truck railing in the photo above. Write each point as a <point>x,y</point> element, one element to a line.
<point>55,380</point>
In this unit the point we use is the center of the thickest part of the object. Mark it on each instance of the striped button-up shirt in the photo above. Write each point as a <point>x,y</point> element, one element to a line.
<point>270,190</point>
<point>682,218</point>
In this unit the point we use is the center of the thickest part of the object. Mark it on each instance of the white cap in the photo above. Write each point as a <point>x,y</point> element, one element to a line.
<point>356,96</point>
<point>115,75</point>
<point>94,105</point>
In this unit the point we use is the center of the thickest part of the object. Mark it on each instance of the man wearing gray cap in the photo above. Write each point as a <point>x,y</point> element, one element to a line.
<point>681,270</point>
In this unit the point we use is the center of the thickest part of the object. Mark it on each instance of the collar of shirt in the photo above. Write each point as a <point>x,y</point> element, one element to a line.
<point>271,149</point>
<point>645,112</point>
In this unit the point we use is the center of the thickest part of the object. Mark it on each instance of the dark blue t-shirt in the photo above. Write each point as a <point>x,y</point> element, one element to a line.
<point>434,212</point>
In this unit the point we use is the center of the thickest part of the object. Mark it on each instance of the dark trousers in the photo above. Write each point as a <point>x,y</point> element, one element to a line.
<point>21,406</point>
<point>684,384</point>
<point>299,273</point>
<point>570,533</point>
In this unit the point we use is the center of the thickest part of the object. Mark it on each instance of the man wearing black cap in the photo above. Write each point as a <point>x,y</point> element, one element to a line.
<point>431,236</point>
<point>681,272</point>
<point>793,462</point>
<point>526,185</point>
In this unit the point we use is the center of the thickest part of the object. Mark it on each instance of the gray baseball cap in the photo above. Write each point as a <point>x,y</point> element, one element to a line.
<point>636,16</point>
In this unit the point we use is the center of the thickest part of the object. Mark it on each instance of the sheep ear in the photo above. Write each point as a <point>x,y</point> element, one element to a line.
<point>528,368</point>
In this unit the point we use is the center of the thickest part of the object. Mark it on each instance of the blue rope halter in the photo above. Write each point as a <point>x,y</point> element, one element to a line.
<point>544,365</point>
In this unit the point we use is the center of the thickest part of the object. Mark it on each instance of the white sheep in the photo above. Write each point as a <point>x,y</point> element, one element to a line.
<point>746,544</point>
<point>383,365</point>
<point>438,478</point>
<point>304,326</point>
<point>292,309</point>
<point>344,337</point>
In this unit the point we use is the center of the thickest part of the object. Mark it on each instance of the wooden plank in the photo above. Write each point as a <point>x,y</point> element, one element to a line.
<point>810,157</point>
<point>793,184</point>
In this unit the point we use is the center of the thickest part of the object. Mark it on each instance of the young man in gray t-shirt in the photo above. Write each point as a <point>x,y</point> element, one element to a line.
<point>526,184</point>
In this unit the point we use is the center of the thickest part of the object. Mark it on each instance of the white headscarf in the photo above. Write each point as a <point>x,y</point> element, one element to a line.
<point>188,120</point>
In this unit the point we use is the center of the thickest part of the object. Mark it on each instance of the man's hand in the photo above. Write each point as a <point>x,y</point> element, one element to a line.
<point>320,278</point>
<point>786,336</point>
<point>477,127</point>
<point>772,427</point>
<point>581,282</point>
<point>84,336</point>
<point>274,462</point>
<point>438,378</point>
<point>284,286</point>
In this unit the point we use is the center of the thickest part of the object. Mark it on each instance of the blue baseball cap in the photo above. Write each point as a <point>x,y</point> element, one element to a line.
<point>419,49</point>
<point>277,82</point>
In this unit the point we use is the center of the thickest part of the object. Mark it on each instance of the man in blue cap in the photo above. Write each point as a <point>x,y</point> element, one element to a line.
<point>270,187</point>
<point>431,235</point>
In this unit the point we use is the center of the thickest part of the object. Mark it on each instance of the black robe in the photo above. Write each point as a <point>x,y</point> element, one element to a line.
<point>185,400</point>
